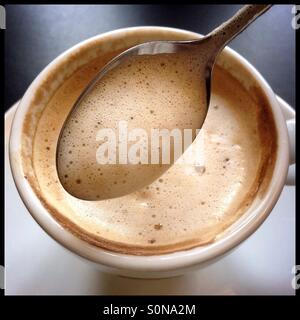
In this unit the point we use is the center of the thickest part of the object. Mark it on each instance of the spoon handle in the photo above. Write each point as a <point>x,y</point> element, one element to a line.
<point>232,27</point>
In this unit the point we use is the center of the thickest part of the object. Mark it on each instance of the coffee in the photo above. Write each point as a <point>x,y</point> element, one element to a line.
<point>189,205</point>
<point>163,92</point>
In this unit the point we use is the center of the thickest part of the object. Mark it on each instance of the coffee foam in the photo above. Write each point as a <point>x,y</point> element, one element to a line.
<point>164,91</point>
<point>187,206</point>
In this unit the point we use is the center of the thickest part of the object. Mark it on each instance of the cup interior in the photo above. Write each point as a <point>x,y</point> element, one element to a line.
<point>42,89</point>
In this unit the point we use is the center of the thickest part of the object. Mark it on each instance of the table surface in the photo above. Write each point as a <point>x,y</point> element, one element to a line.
<point>36,34</point>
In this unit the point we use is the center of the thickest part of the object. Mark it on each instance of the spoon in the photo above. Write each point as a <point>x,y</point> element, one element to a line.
<point>169,84</point>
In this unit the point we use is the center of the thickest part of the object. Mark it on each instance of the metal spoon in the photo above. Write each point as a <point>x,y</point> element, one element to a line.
<point>211,44</point>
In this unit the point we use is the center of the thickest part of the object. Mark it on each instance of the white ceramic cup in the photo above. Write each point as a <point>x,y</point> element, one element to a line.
<point>167,265</point>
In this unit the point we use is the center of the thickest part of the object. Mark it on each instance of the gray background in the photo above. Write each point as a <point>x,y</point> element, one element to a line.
<point>36,34</point>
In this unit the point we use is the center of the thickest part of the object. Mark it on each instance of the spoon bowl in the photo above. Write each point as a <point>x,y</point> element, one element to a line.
<point>195,59</point>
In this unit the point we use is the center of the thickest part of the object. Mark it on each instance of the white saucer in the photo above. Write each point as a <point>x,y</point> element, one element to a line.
<point>35,264</point>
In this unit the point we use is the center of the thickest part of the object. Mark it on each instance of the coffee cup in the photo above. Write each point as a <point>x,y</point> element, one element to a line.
<point>153,266</point>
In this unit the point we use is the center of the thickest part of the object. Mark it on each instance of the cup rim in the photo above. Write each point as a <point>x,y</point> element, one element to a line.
<point>163,262</point>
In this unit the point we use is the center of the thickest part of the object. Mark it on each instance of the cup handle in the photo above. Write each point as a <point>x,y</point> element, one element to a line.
<point>290,181</point>
<point>289,115</point>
